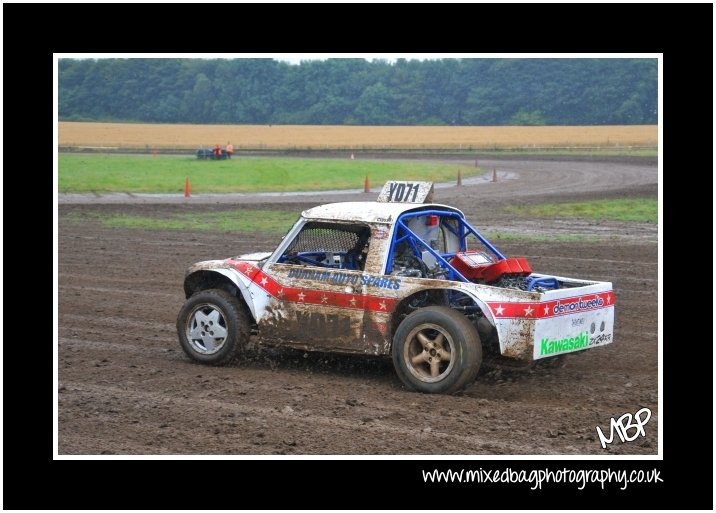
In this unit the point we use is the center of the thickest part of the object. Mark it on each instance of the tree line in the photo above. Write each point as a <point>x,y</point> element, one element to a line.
<point>360,92</point>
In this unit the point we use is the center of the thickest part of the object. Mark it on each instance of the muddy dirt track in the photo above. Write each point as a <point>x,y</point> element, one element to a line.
<point>127,388</point>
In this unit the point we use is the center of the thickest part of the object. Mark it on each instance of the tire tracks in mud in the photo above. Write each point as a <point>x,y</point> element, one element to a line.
<point>241,425</point>
<point>127,387</point>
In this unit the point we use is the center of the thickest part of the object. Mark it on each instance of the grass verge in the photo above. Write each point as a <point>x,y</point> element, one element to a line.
<point>275,222</point>
<point>644,210</point>
<point>166,174</point>
<point>576,151</point>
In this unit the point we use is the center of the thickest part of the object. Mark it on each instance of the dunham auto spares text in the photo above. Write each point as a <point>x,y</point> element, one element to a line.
<point>537,478</point>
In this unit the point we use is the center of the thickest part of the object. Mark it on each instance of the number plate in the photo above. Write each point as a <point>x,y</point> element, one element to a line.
<point>406,192</point>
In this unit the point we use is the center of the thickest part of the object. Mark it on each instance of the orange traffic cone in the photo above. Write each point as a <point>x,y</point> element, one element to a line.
<point>366,185</point>
<point>187,188</point>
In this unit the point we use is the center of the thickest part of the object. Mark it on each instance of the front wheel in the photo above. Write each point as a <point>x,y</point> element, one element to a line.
<point>436,350</point>
<point>212,327</point>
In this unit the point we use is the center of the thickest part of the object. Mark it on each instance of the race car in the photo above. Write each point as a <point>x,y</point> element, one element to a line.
<point>399,277</point>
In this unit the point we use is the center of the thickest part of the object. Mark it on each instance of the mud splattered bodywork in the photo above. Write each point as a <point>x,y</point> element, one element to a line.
<point>347,275</point>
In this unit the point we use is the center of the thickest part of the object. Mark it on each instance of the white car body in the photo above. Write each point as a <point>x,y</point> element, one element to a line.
<point>352,304</point>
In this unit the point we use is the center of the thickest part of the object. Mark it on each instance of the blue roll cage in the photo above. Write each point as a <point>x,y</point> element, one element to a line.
<point>403,234</point>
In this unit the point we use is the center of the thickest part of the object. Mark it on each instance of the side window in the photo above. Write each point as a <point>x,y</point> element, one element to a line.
<point>333,245</point>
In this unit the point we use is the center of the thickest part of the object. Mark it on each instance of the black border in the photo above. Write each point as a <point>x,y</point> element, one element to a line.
<point>32,480</point>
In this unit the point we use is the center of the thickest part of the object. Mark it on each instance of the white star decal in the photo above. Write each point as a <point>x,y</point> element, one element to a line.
<point>353,301</point>
<point>528,311</point>
<point>264,281</point>
<point>546,310</point>
<point>301,296</point>
<point>609,299</point>
<point>499,310</point>
<point>382,305</point>
<point>280,293</point>
<point>324,299</point>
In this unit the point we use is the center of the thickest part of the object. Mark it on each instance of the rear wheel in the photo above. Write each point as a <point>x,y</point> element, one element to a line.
<point>212,327</point>
<point>436,350</point>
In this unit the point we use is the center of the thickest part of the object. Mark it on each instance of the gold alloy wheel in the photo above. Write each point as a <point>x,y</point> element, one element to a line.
<point>428,353</point>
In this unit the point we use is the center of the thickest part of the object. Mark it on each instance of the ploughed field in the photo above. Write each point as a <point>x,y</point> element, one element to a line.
<point>126,387</point>
<point>112,136</point>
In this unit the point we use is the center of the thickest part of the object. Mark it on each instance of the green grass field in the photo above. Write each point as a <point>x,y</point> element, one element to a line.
<point>276,222</point>
<point>167,174</point>
<point>643,210</point>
